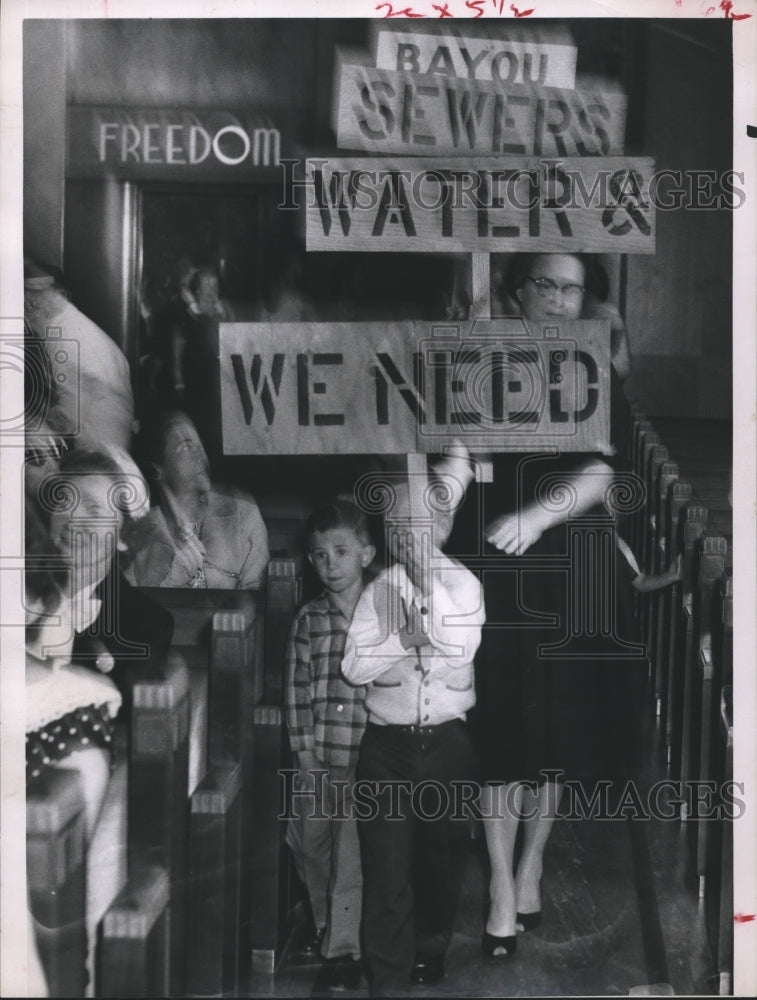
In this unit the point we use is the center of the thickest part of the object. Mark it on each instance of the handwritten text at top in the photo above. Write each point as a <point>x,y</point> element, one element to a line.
<point>500,8</point>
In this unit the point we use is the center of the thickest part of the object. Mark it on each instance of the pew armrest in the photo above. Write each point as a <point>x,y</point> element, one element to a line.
<point>726,715</point>
<point>705,656</point>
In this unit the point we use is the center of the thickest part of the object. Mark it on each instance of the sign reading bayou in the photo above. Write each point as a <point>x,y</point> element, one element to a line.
<point>394,388</point>
<point>543,54</point>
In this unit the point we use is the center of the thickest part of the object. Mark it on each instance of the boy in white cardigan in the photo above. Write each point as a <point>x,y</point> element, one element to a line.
<point>412,640</point>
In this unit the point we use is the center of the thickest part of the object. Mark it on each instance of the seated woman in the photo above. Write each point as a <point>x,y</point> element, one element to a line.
<point>199,535</point>
<point>70,708</point>
<point>82,615</point>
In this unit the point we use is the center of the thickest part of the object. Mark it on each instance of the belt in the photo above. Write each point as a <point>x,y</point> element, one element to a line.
<point>416,730</point>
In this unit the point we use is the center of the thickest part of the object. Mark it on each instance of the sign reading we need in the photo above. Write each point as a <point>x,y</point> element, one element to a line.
<point>395,388</point>
<point>481,204</point>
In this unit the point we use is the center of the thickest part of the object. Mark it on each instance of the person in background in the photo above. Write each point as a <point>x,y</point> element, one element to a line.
<point>205,295</point>
<point>510,288</point>
<point>541,720</point>
<point>70,708</point>
<point>78,518</point>
<point>92,508</point>
<point>198,535</point>
<point>325,719</point>
<point>89,386</point>
<point>506,280</point>
<point>77,389</point>
<point>183,308</point>
<point>412,640</point>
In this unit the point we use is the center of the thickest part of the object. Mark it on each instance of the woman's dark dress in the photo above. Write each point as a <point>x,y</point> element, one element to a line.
<point>570,713</point>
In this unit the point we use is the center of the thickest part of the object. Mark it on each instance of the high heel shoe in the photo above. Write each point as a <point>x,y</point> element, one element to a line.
<point>528,921</point>
<point>491,942</point>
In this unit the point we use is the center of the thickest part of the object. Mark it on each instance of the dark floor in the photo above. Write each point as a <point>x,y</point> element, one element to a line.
<point>620,911</point>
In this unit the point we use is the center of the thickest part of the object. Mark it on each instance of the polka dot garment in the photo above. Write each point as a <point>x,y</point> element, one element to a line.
<point>78,730</point>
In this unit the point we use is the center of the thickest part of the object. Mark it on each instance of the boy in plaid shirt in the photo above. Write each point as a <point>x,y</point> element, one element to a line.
<point>326,718</point>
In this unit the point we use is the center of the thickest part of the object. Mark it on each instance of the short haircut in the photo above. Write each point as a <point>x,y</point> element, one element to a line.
<point>151,444</point>
<point>338,514</point>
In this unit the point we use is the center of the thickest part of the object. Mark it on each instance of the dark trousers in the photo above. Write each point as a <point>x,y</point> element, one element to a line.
<point>413,848</point>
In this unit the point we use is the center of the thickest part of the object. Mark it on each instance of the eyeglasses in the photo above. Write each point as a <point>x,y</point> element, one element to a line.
<point>548,289</point>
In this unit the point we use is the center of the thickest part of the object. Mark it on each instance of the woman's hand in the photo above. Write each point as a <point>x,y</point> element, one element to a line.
<point>189,556</point>
<point>517,532</point>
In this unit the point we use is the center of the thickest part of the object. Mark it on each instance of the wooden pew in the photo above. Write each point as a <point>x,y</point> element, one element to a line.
<point>133,956</point>
<point>236,685</point>
<point>218,647</point>
<point>175,844</point>
<point>681,685</point>
<point>669,601</point>
<point>711,564</point>
<point>639,430</point>
<point>213,895</point>
<point>274,881</point>
<point>716,651</point>
<point>710,676</point>
<point>648,438</point>
<point>56,866</point>
<point>235,681</point>
<point>664,475</point>
<point>655,456</point>
<point>638,423</point>
<point>669,610</point>
<point>158,799</point>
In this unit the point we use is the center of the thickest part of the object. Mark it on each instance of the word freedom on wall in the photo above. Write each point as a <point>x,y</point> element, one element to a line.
<point>171,143</point>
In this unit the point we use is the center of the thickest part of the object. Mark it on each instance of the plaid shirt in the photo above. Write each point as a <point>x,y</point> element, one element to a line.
<point>324,713</point>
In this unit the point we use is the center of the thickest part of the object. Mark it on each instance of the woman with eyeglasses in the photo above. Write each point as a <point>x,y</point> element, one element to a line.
<point>539,719</point>
<point>574,286</point>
